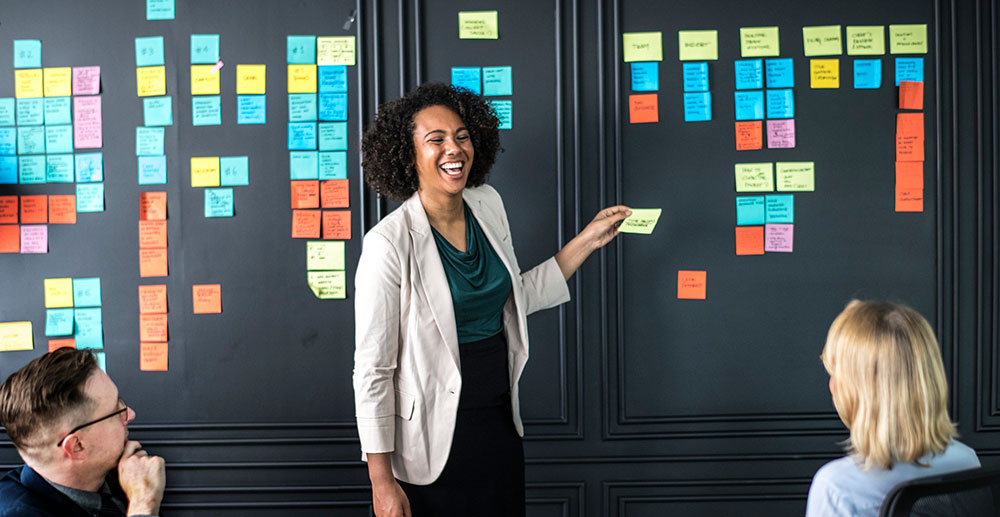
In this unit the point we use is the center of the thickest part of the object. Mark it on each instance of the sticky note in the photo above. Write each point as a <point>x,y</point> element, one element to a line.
<point>90,197</point>
<point>87,122</point>
<point>152,206</point>
<point>778,237</point>
<point>157,111</point>
<point>159,9</point>
<point>749,240</point>
<point>824,73</point>
<point>822,41</point>
<point>28,83</point>
<point>779,208</point>
<point>57,110</point>
<point>335,193</point>
<point>153,327</point>
<point>691,285</point>
<point>497,79</point>
<point>333,136</point>
<point>86,80</point>
<point>909,137</point>
<point>251,109</point>
<point>204,49</point>
<point>749,105</point>
<point>27,53</point>
<point>152,234</point>
<point>867,74</point>
<point>301,78</point>
<point>56,344</point>
<point>749,135</point>
<point>642,221</point>
<point>305,194</point>
<point>505,113</point>
<point>87,292</point>
<point>328,285</point>
<point>779,73</point>
<point>34,209</point>
<point>59,168</point>
<point>908,39</point>
<point>749,210</point>
<point>335,51</point>
<point>206,110</point>
<point>34,238</point>
<point>58,293</point>
<point>89,328</point>
<point>300,50</point>
<point>59,322</point>
<point>149,141</point>
<point>203,81</point>
<point>149,51</point>
<point>695,77</point>
<point>8,209</point>
<point>207,298</point>
<point>642,46</point>
<point>303,165</point>
<point>10,238</point>
<point>478,25</point>
<point>235,170</point>
<point>337,224</point>
<point>153,356</point>
<point>301,136</point>
<point>16,335</point>
<point>62,209</point>
<point>151,80</point>
<point>152,170</point>
<point>152,299</point>
<point>796,176</point>
<point>910,175</point>
<point>907,200</point>
<point>468,77</point>
<point>780,104</point>
<point>754,177</point>
<point>8,170</point>
<point>324,255</point>
<point>8,141</point>
<point>781,134</point>
<point>302,107</point>
<point>31,169</point>
<point>866,40</point>
<point>332,78</point>
<point>643,108</point>
<point>89,167</point>
<point>749,74</point>
<point>306,224</point>
<point>759,41</point>
<point>332,165</point>
<point>911,95</point>
<point>31,140</point>
<point>31,112</point>
<point>218,202</point>
<point>697,107</point>
<point>909,69</point>
<point>251,79</point>
<point>152,262</point>
<point>205,171</point>
<point>57,82</point>
<point>7,111</point>
<point>694,46</point>
<point>332,106</point>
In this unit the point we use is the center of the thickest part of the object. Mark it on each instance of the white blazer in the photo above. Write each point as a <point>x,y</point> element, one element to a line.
<point>407,376</point>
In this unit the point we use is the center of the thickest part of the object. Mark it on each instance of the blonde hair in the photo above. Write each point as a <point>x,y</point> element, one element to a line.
<point>888,383</point>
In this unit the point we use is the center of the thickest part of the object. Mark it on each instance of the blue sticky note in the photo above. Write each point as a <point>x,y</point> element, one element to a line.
<point>206,110</point>
<point>89,197</point>
<point>467,77</point>
<point>8,170</point>
<point>867,74</point>
<point>27,53</point>
<point>333,136</point>
<point>780,73</point>
<point>749,74</point>
<point>301,136</point>
<point>31,169</point>
<point>59,168</point>
<point>31,140</point>
<point>749,210</point>
<point>497,80</point>
<point>159,9</point>
<point>251,109</point>
<point>31,112</point>
<point>302,107</point>
<point>158,111</point>
<point>86,292</point>
<point>750,105</point>
<point>89,329</point>
<point>332,106</point>
<point>57,110</point>
<point>697,107</point>
<point>204,49</point>
<point>102,360</point>
<point>333,165</point>
<point>505,113</point>
<point>695,77</point>
<point>779,208</point>
<point>148,141</point>
<point>152,170</point>
<point>218,202</point>
<point>909,69</point>
<point>8,141</point>
<point>149,51</point>
<point>59,322</point>
<point>780,104</point>
<point>234,170</point>
<point>7,111</point>
<point>332,79</point>
<point>645,77</point>
<point>59,139</point>
<point>303,165</point>
<point>301,50</point>
<point>89,167</point>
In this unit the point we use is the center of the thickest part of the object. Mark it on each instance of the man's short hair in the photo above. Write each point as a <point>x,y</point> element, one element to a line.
<point>44,391</point>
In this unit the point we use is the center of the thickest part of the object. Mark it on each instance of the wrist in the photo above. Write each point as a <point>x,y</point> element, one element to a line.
<point>143,507</point>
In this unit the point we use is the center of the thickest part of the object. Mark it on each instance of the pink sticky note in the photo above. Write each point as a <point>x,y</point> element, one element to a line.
<point>87,122</point>
<point>86,80</point>
<point>35,238</point>
<point>778,237</point>
<point>781,134</point>
<point>217,67</point>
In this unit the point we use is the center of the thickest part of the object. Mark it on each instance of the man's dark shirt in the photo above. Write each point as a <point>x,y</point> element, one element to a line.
<point>24,493</point>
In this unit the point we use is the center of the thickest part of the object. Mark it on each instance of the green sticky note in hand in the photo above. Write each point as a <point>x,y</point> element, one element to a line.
<point>642,220</point>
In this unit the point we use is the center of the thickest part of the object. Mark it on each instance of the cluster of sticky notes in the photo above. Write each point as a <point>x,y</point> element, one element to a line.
<point>490,81</point>
<point>868,40</point>
<point>692,285</point>
<point>16,335</point>
<point>764,223</point>
<point>312,217</point>
<point>151,165</point>
<point>752,75</point>
<point>73,311</point>
<point>24,220</point>
<point>153,329</point>
<point>697,98</point>
<point>325,269</point>
<point>219,174</point>
<point>644,51</point>
<point>478,25</point>
<point>251,103</point>
<point>910,148</point>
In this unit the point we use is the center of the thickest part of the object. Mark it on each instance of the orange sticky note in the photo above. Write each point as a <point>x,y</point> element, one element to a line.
<point>153,357</point>
<point>152,262</point>
<point>642,108</point>
<point>305,193</point>
<point>34,209</point>
<point>152,234</point>
<point>152,206</point>
<point>152,299</point>
<point>8,209</point>
<point>10,238</point>
<point>691,285</point>
<point>335,194</point>
<point>909,137</point>
<point>749,135</point>
<point>909,200</point>
<point>910,175</point>
<point>305,224</point>
<point>62,209</point>
<point>56,344</point>
<point>749,240</point>
<point>207,298</point>
<point>911,95</point>
<point>152,327</point>
<point>337,224</point>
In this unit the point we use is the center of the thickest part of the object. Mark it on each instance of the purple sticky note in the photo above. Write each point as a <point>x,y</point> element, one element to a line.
<point>86,80</point>
<point>778,237</point>
<point>87,122</point>
<point>781,134</point>
<point>35,238</point>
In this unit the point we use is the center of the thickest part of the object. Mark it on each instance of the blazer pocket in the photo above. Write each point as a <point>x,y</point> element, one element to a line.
<point>404,405</point>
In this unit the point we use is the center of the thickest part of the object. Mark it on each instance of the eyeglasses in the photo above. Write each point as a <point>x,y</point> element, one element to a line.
<point>123,410</point>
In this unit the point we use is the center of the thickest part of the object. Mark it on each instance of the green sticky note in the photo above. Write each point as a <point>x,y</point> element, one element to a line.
<point>908,39</point>
<point>324,255</point>
<point>796,176</point>
<point>822,40</point>
<point>478,25</point>
<point>303,165</point>
<point>497,80</point>
<point>59,139</point>
<point>204,49</point>
<point>87,292</point>
<point>234,171</point>
<point>159,9</point>
<point>59,322</point>
<point>333,136</point>
<point>642,220</point>
<point>697,45</point>
<point>754,177</point>
<point>7,110</point>
<point>218,202</point>
<point>158,111</point>
<point>59,168</point>
<point>57,110</point>
<point>505,112</point>
<point>149,51</point>
<point>89,328</point>
<point>328,285</point>
<point>206,110</point>
<point>759,41</point>
<point>642,46</point>
<point>301,50</point>
<point>90,197</point>
<point>149,141</point>
<point>27,53</point>
<point>868,40</point>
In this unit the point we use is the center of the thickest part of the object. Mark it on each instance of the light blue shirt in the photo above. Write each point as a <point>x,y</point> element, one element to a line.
<point>841,488</point>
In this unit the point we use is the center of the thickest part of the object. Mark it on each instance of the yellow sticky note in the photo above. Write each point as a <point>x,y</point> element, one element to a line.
<point>908,39</point>
<point>58,82</point>
<point>478,25</point>
<point>205,171</point>
<point>335,50</point>
<point>754,177</point>
<point>251,79</point>
<point>203,81</point>
<point>151,80</point>
<point>759,41</point>
<point>58,293</point>
<point>866,40</point>
<point>324,255</point>
<point>642,220</point>
<point>28,83</point>
<point>698,45</point>
<point>796,176</point>
<point>822,41</point>
<point>328,285</point>
<point>642,46</point>
<point>824,73</point>
<point>16,335</point>
<point>301,78</point>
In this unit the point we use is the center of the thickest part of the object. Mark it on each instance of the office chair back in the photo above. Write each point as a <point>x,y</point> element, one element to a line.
<point>968,493</point>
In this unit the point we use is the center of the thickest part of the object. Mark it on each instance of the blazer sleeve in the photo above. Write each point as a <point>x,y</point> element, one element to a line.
<point>376,316</point>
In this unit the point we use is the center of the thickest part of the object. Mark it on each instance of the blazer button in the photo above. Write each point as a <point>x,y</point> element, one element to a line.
<point>451,391</point>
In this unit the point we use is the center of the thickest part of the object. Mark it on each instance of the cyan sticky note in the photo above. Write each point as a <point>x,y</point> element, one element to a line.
<point>779,208</point>
<point>749,74</point>
<point>750,105</point>
<point>251,109</point>
<point>497,80</point>
<point>333,165</point>
<point>204,49</point>
<point>89,167</point>
<point>780,103</point>
<point>7,111</point>
<point>206,110</point>
<point>749,210</point>
<point>909,69</point>
<point>59,168</point>
<point>234,171</point>
<point>779,73</point>
<point>58,322</point>
<point>645,77</point>
<point>158,111</point>
<point>468,77</point>
<point>8,141</point>
<point>90,197</point>
<point>31,112</point>
<point>867,74</point>
<point>302,107</point>
<point>332,106</point>
<point>152,170</point>
<point>87,292</point>
<point>89,332</point>
<point>59,139</point>
<point>333,136</point>
<point>57,110</point>
<point>8,170</point>
<point>159,10</point>
<point>148,141</point>
<point>505,113</point>
<point>31,169</point>
<point>697,106</point>
<point>27,53</point>
<point>695,77</point>
<point>303,165</point>
<point>149,51</point>
<point>301,50</point>
<point>332,78</point>
<point>218,202</point>
<point>301,136</point>
<point>31,140</point>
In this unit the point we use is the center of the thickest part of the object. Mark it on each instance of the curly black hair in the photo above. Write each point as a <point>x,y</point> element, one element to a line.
<point>387,153</point>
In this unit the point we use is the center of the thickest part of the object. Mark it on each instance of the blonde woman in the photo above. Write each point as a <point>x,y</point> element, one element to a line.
<point>888,384</point>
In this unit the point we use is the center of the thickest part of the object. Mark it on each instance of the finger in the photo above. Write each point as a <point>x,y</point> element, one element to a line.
<point>130,448</point>
<point>612,210</point>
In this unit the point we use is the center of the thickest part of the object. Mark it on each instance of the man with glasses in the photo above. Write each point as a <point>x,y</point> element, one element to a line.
<point>70,427</point>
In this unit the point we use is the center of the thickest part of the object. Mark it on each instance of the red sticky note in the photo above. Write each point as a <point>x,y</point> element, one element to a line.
<point>152,262</point>
<point>153,357</point>
<point>305,193</point>
<point>911,95</point>
<point>152,299</point>
<point>337,224</point>
<point>152,234</point>
<point>152,327</point>
<point>55,344</point>
<point>691,285</point>
<point>335,194</point>
<point>643,108</point>
<point>62,209</point>
<point>207,298</point>
<point>909,137</point>
<point>749,135</point>
<point>10,238</point>
<point>909,200</point>
<point>34,209</point>
<point>152,206</point>
<point>749,240</point>
<point>8,209</point>
<point>305,224</point>
<point>910,175</point>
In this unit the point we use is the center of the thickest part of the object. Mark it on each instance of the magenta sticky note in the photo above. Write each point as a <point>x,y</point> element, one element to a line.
<point>87,122</point>
<point>778,237</point>
<point>86,80</point>
<point>781,134</point>
<point>34,238</point>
